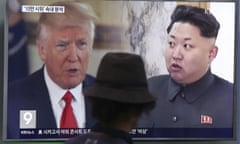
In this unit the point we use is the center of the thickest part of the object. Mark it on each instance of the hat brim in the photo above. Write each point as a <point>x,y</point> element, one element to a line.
<point>128,95</point>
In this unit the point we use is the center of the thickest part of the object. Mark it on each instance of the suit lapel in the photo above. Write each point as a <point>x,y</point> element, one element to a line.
<point>45,116</point>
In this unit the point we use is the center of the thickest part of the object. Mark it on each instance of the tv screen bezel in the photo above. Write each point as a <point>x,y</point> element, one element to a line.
<point>236,89</point>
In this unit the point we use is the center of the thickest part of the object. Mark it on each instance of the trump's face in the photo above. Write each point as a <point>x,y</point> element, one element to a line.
<point>188,55</point>
<point>65,52</point>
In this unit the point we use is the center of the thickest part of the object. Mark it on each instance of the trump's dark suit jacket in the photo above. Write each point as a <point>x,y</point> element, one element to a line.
<point>207,103</point>
<point>31,94</point>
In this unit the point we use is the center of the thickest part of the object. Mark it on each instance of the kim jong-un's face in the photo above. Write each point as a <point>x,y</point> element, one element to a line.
<point>188,55</point>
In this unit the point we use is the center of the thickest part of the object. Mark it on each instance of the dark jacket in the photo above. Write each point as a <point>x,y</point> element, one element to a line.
<point>207,103</point>
<point>31,94</point>
<point>102,135</point>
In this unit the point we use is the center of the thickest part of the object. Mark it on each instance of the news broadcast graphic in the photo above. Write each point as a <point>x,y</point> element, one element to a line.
<point>198,110</point>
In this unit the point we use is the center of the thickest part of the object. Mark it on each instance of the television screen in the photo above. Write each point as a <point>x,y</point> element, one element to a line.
<point>172,42</point>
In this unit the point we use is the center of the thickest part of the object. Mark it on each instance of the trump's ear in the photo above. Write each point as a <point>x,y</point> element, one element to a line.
<point>41,49</point>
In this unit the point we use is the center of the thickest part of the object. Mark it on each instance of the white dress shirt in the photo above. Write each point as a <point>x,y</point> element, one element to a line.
<point>56,93</point>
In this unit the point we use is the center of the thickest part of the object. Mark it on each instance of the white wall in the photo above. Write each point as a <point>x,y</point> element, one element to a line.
<point>223,65</point>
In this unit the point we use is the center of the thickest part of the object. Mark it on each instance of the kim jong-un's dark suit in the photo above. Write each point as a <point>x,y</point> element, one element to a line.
<point>207,103</point>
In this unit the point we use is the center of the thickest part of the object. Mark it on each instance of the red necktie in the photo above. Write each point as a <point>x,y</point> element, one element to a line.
<point>68,119</point>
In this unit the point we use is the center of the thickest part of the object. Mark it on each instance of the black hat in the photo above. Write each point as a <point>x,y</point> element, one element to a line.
<point>121,77</point>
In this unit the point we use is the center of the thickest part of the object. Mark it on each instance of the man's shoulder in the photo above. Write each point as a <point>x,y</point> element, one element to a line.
<point>79,139</point>
<point>222,86</point>
<point>88,81</point>
<point>159,79</point>
<point>221,81</point>
<point>30,80</point>
<point>158,84</point>
<point>92,138</point>
<point>89,77</point>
